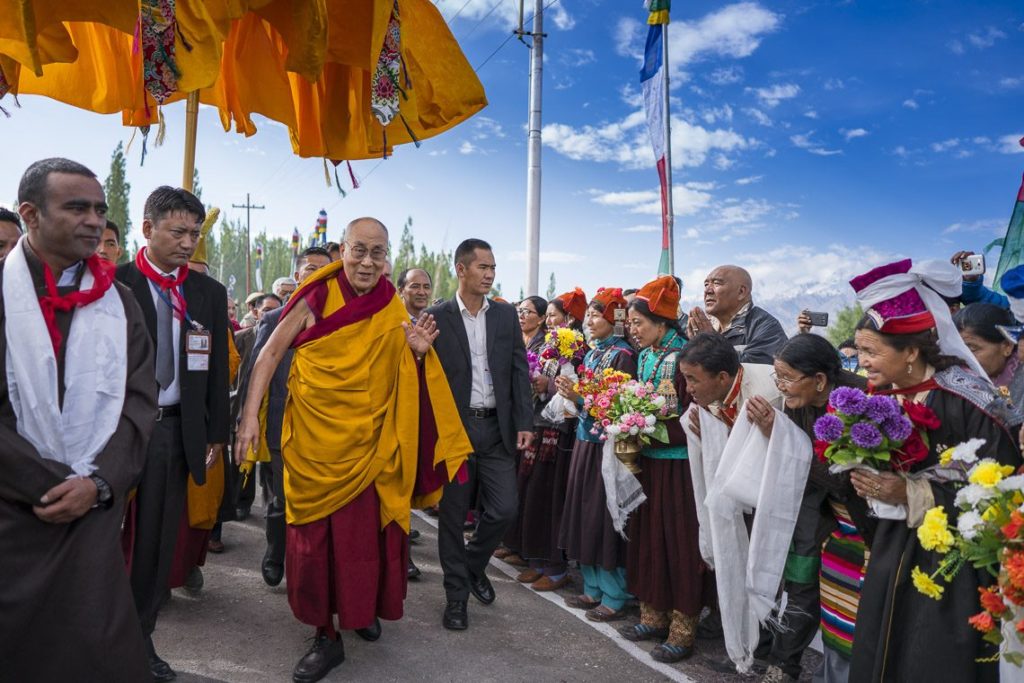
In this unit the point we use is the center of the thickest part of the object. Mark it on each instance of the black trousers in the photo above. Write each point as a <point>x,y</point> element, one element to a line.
<point>492,475</point>
<point>160,502</point>
<point>275,508</point>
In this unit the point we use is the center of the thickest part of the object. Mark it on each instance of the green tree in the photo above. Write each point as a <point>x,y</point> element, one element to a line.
<point>496,290</point>
<point>405,257</point>
<point>551,288</point>
<point>844,324</point>
<point>117,190</point>
<point>197,189</point>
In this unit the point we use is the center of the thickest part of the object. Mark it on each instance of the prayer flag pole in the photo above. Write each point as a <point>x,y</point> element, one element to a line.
<point>654,82</point>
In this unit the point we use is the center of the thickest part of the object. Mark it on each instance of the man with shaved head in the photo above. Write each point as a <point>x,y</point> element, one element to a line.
<point>729,310</point>
<point>369,430</point>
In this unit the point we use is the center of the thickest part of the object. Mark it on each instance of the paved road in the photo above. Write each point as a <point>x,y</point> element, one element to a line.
<point>240,630</point>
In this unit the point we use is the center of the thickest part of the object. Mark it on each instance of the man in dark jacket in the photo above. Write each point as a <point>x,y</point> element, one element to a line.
<point>729,310</point>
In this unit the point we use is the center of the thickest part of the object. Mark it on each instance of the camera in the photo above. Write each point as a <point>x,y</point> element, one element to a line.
<point>973,264</point>
<point>817,319</point>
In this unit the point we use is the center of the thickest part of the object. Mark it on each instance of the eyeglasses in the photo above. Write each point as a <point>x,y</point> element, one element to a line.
<point>359,252</point>
<point>783,383</point>
<point>524,312</point>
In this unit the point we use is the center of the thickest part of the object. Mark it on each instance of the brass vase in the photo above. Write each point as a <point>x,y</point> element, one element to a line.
<point>628,451</point>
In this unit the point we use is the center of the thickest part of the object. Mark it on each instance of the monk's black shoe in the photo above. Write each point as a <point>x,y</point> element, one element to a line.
<point>455,617</point>
<point>272,570</point>
<point>481,588</point>
<point>324,655</point>
<point>413,571</point>
<point>371,632</point>
<point>160,669</point>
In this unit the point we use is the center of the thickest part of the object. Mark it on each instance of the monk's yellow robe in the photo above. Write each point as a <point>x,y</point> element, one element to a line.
<point>353,416</point>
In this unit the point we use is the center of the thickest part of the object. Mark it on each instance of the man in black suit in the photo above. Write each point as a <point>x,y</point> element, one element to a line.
<point>186,315</point>
<point>272,566</point>
<point>481,349</point>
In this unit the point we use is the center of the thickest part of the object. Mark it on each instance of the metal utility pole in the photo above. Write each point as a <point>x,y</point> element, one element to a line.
<point>248,206</point>
<point>533,149</point>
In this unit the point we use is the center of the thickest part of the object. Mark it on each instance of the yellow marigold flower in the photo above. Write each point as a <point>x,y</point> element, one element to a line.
<point>934,531</point>
<point>990,513</point>
<point>988,473</point>
<point>925,585</point>
<point>1018,498</point>
<point>946,457</point>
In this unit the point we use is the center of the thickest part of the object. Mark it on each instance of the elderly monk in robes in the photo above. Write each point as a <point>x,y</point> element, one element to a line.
<point>77,404</point>
<point>370,430</point>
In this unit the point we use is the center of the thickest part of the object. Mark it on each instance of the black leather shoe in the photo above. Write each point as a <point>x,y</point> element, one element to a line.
<point>371,632</point>
<point>481,588</point>
<point>455,617</point>
<point>324,655</point>
<point>414,535</point>
<point>414,571</point>
<point>272,570</point>
<point>242,513</point>
<point>160,669</point>
<point>194,581</point>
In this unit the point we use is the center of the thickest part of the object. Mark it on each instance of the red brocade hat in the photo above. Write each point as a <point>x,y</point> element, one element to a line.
<point>905,313</point>
<point>662,297</point>
<point>612,300</point>
<point>575,303</point>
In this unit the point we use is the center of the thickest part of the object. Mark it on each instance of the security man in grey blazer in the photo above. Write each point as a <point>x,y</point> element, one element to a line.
<point>482,352</point>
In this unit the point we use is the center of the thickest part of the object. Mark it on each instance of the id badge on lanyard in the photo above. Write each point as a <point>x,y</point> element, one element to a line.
<point>198,340</point>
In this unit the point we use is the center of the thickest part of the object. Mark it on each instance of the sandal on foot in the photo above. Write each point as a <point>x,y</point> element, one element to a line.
<point>515,560</point>
<point>602,614</point>
<point>581,602</point>
<point>669,654</point>
<point>528,576</point>
<point>638,632</point>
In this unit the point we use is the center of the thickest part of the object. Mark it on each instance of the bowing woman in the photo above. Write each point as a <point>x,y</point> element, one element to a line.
<point>910,349</point>
<point>587,534</point>
<point>663,561</point>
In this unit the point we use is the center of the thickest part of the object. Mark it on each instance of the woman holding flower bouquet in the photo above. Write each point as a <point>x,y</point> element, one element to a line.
<point>544,470</point>
<point>663,562</point>
<point>911,350</point>
<point>587,534</point>
<point>567,310</point>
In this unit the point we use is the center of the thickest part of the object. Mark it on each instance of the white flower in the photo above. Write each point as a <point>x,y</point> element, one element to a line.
<point>612,430</point>
<point>650,420</point>
<point>968,524</point>
<point>1014,483</point>
<point>658,401</point>
<point>648,430</point>
<point>633,431</point>
<point>967,452</point>
<point>972,494</point>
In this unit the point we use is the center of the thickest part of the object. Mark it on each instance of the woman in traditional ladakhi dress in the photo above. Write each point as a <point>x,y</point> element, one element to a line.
<point>587,534</point>
<point>980,327</point>
<point>663,562</point>
<point>910,349</point>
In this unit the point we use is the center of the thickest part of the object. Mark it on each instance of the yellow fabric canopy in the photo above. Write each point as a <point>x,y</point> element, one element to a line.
<point>352,419</point>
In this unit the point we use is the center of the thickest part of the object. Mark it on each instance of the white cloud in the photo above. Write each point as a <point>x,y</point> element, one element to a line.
<point>1011,82</point>
<point>956,47</point>
<point>725,76</point>
<point>945,145</point>
<point>834,84</point>
<point>852,134</point>
<point>468,147</point>
<point>758,116</point>
<point>550,256</point>
<point>643,228</point>
<point>735,31</point>
<point>911,104</point>
<point>771,96</point>
<point>715,114</point>
<point>686,201</point>
<point>1010,144</point>
<point>804,141</point>
<point>993,225</point>
<point>486,128</point>
<point>628,144</point>
<point>985,39</point>
<point>902,152</point>
<point>576,57</point>
<point>811,114</point>
<point>749,180</point>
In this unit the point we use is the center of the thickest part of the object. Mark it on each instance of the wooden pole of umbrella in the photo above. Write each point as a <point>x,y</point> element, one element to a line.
<point>191,123</point>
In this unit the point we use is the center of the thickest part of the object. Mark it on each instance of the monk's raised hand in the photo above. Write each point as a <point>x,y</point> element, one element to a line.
<point>421,336</point>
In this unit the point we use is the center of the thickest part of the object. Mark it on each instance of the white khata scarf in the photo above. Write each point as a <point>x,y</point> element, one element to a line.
<point>95,369</point>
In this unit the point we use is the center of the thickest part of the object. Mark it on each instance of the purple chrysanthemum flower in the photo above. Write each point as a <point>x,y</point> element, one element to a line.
<point>865,435</point>
<point>828,428</point>
<point>897,428</point>
<point>880,408</point>
<point>848,400</point>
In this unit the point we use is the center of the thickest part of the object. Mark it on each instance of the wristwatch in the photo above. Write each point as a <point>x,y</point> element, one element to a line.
<point>104,495</point>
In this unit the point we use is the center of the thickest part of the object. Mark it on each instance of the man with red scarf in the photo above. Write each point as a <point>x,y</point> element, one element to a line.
<point>186,315</point>
<point>77,401</point>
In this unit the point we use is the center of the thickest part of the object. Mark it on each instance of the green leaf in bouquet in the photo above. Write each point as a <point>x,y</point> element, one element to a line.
<point>660,432</point>
<point>1015,658</point>
<point>994,637</point>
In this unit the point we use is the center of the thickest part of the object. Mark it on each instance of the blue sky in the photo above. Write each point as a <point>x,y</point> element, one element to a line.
<point>812,140</point>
